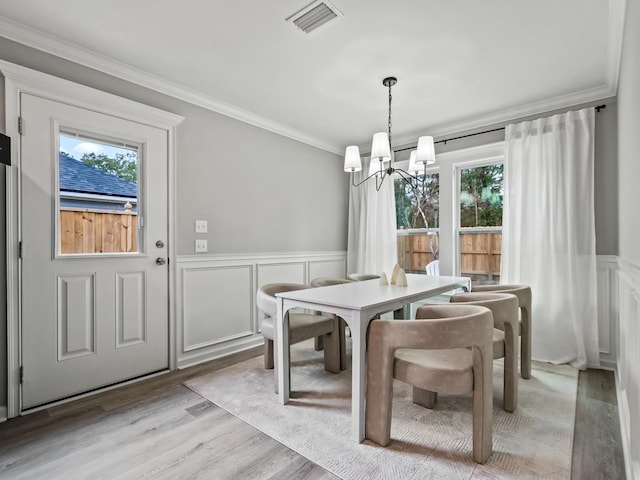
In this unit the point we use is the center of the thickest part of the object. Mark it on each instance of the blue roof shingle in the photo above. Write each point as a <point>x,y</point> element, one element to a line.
<point>77,176</point>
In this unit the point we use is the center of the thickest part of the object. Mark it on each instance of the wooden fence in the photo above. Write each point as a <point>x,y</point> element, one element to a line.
<point>480,252</point>
<point>83,231</point>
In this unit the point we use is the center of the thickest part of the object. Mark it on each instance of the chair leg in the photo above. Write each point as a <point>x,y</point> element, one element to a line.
<point>332,350</point>
<point>482,407</point>
<point>525,344</point>
<point>343,344</point>
<point>268,354</point>
<point>426,398</point>
<point>318,343</point>
<point>379,393</point>
<point>510,399</point>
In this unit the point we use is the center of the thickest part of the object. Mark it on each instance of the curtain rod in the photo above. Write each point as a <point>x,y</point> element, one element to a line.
<point>598,108</point>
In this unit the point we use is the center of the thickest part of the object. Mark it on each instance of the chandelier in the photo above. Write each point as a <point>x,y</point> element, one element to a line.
<point>382,161</point>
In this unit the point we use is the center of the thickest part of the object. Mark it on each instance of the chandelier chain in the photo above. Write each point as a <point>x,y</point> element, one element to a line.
<point>389,125</point>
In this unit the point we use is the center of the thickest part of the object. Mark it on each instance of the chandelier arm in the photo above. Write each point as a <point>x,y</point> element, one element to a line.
<point>380,181</point>
<point>406,175</point>
<point>353,182</point>
<point>408,179</point>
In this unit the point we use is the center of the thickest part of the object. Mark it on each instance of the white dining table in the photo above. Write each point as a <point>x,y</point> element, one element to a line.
<point>357,303</point>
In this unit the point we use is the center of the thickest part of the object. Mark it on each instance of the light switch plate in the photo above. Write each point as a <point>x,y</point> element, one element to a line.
<point>201,246</point>
<point>201,226</point>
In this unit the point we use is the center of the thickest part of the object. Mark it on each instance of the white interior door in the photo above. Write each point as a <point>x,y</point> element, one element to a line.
<point>95,317</point>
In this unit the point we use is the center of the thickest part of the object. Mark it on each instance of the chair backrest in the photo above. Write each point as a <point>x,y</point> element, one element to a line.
<point>523,292</point>
<point>503,306</point>
<point>433,268</point>
<point>438,327</point>
<point>266,299</point>
<point>326,281</point>
<point>360,277</point>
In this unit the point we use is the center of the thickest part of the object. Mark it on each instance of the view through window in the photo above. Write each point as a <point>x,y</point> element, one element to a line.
<point>481,199</point>
<point>97,196</point>
<point>417,219</point>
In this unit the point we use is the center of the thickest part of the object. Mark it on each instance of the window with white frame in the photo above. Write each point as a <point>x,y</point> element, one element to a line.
<point>480,195</point>
<point>461,200</point>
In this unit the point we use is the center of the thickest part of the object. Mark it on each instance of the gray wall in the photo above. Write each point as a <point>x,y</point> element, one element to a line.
<point>629,139</point>
<point>260,192</point>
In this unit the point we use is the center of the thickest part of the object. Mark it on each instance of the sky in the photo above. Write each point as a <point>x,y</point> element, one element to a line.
<point>76,147</point>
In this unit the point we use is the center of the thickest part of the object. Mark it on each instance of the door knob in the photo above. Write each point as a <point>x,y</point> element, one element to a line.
<point>159,244</point>
<point>161,261</point>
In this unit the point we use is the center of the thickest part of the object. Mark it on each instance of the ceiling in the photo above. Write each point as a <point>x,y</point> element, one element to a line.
<point>460,63</point>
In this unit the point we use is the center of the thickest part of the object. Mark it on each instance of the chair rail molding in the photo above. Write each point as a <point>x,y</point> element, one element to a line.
<point>216,311</point>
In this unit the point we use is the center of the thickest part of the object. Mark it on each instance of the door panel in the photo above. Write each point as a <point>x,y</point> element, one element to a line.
<point>90,319</point>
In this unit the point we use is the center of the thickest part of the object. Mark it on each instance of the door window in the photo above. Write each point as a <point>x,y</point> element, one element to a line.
<point>98,202</point>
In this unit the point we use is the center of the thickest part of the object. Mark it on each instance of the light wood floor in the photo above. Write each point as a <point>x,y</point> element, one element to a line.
<point>159,429</point>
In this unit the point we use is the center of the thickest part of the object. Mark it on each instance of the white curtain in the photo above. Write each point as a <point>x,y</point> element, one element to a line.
<point>549,232</point>
<point>372,243</point>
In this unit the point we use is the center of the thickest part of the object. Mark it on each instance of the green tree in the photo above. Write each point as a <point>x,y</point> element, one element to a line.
<point>481,196</point>
<point>417,204</point>
<point>123,165</point>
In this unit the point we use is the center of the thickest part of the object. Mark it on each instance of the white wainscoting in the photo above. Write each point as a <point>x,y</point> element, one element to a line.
<point>628,365</point>
<point>607,268</point>
<point>216,312</point>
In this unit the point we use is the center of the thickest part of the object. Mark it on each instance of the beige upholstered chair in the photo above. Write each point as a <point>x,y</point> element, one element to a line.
<point>302,326</point>
<point>361,277</point>
<point>327,281</point>
<point>447,351</point>
<point>504,308</point>
<point>324,282</point>
<point>523,292</point>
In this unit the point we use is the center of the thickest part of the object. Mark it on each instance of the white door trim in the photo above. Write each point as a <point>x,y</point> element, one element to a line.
<point>19,80</point>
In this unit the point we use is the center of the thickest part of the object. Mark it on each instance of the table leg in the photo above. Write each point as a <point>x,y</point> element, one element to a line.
<point>282,351</point>
<point>358,375</point>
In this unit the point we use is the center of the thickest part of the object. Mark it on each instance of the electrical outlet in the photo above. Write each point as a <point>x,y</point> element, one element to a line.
<point>201,246</point>
<point>201,226</point>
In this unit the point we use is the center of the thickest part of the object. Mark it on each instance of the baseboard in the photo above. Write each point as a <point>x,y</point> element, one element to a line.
<point>607,365</point>
<point>220,351</point>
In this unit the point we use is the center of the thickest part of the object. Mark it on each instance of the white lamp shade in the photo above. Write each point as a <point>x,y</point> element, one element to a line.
<point>426,153</point>
<point>380,149</point>
<point>352,161</point>
<point>414,168</point>
<point>376,167</point>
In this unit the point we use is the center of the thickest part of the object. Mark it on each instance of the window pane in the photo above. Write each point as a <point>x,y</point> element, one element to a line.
<point>98,196</point>
<point>418,207</point>
<point>481,200</point>
<point>481,194</point>
<point>416,249</point>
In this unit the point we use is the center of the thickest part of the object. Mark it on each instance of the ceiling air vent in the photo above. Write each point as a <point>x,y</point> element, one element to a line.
<point>314,15</point>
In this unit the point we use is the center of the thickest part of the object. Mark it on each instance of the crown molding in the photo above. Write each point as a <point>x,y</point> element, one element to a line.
<point>55,46</point>
<point>503,117</point>
<point>60,48</point>
<point>617,9</point>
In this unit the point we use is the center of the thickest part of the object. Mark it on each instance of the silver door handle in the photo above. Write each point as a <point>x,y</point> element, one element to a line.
<point>161,261</point>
